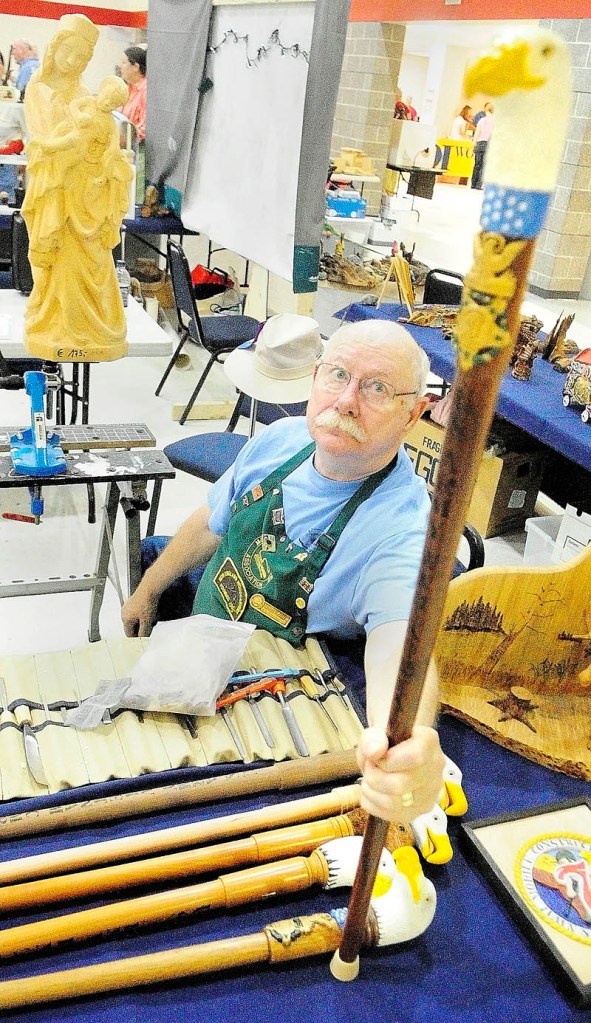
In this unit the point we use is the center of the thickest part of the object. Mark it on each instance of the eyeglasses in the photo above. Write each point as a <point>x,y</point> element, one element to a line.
<point>375,392</point>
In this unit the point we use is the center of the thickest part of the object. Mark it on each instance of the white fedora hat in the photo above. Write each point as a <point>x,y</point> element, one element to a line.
<point>278,365</point>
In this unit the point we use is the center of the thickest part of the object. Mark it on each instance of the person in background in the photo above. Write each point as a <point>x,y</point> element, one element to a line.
<point>26,57</point>
<point>342,473</point>
<point>482,136</point>
<point>12,134</point>
<point>412,113</point>
<point>463,125</point>
<point>133,67</point>
<point>487,109</point>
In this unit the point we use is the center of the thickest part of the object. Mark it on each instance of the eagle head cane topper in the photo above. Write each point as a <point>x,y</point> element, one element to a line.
<point>528,75</point>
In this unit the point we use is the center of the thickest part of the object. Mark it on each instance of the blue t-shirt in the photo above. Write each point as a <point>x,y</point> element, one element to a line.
<point>26,68</point>
<point>370,576</point>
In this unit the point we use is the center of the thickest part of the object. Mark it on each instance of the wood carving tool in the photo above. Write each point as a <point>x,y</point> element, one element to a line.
<point>528,74</point>
<point>289,774</point>
<point>248,692</point>
<point>243,677</point>
<point>33,755</point>
<point>299,742</point>
<point>116,850</point>
<point>233,732</point>
<point>308,684</point>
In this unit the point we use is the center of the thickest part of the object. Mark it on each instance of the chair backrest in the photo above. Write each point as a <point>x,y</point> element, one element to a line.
<point>22,276</point>
<point>443,287</point>
<point>182,286</point>
<point>267,412</point>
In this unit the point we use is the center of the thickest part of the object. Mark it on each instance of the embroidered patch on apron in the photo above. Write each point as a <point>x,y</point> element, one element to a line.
<point>255,566</point>
<point>231,589</point>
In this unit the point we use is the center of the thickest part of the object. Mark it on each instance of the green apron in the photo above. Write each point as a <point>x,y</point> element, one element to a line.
<point>268,581</point>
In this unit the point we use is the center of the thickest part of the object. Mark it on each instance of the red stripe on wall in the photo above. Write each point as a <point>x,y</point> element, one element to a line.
<point>52,11</point>
<point>466,10</point>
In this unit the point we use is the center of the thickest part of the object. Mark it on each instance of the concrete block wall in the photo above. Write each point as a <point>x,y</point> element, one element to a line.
<point>561,266</point>
<point>366,97</point>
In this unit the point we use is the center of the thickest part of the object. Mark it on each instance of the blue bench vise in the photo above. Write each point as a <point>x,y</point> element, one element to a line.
<point>34,451</point>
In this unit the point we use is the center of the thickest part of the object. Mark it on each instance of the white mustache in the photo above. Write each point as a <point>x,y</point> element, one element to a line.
<point>334,419</point>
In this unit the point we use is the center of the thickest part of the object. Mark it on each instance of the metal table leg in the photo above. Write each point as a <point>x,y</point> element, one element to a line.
<point>102,561</point>
<point>154,508</point>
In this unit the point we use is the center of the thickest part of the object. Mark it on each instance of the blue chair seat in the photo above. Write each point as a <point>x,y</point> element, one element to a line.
<point>223,331</point>
<point>206,455</point>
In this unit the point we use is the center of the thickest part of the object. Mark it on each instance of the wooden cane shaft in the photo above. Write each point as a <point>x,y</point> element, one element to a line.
<point>268,845</point>
<point>238,888</point>
<point>291,774</point>
<point>475,396</point>
<point>138,971</point>
<point>305,936</point>
<point>134,846</point>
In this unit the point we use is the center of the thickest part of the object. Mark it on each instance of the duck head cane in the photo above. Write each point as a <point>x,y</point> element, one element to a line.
<point>528,75</point>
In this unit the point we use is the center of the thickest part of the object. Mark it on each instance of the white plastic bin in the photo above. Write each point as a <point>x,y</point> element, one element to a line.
<point>540,542</point>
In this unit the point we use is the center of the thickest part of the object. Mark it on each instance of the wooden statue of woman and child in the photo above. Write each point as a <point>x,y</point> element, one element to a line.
<point>76,198</point>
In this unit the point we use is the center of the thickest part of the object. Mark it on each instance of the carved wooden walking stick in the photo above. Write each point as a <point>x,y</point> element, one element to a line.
<point>331,865</point>
<point>117,850</point>
<point>402,913</point>
<point>528,76</point>
<point>263,847</point>
<point>290,774</point>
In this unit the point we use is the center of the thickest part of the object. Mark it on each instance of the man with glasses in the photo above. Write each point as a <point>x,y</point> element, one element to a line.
<point>318,527</point>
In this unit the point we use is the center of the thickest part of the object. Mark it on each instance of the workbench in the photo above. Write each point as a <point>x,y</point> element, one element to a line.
<point>126,474</point>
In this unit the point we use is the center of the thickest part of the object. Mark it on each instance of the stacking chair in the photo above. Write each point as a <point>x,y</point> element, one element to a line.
<point>218,335</point>
<point>443,287</point>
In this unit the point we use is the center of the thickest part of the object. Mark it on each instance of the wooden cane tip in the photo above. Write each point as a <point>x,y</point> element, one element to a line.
<point>344,971</point>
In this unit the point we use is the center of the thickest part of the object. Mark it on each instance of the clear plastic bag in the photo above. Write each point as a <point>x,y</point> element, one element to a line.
<point>183,670</point>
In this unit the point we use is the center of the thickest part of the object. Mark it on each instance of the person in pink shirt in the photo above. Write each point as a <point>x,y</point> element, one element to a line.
<point>482,135</point>
<point>133,72</point>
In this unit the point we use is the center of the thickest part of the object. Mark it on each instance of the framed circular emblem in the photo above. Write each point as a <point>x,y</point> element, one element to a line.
<point>553,875</point>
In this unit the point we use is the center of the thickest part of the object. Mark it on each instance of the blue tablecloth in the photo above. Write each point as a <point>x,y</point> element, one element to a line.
<point>473,965</point>
<point>534,405</point>
<point>155,225</point>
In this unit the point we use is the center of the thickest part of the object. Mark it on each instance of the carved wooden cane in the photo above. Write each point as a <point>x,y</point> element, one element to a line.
<point>290,774</point>
<point>529,77</point>
<point>117,850</point>
<point>399,915</point>
<point>331,865</point>
<point>262,847</point>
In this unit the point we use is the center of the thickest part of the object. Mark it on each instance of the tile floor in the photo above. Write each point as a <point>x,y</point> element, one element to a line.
<point>123,391</point>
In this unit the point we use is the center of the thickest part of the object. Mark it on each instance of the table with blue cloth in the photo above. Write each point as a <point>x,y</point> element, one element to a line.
<point>534,406</point>
<point>472,965</point>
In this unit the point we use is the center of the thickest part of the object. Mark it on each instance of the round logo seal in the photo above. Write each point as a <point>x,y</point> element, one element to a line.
<point>553,875</point>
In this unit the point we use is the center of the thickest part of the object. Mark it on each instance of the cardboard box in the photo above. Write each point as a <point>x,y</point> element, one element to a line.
<point>506,487</point>
<point>574,533</point>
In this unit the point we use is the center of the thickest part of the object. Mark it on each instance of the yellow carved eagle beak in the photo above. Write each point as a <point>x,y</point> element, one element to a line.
<point>506,68</point>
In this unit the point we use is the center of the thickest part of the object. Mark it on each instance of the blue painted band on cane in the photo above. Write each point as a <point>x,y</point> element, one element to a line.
<point>513,212</point>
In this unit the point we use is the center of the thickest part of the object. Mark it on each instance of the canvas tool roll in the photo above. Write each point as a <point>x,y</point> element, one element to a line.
<point>37,688</point>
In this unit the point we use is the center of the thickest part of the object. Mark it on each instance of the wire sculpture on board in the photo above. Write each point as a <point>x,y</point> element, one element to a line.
<point>274,42</point>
